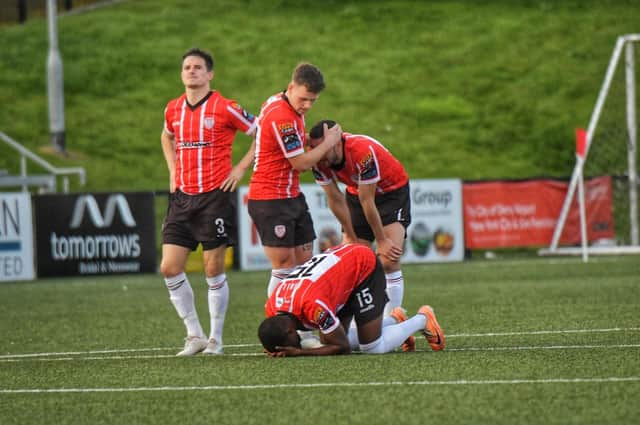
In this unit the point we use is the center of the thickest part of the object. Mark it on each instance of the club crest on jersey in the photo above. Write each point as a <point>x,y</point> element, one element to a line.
<point>280,230</point>
<point>208,123</point>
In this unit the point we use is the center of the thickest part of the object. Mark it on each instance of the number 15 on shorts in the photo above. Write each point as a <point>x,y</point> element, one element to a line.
<point>365,300</point>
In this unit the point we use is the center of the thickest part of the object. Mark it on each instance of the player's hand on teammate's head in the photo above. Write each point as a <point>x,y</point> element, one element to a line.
<point>332,135</point>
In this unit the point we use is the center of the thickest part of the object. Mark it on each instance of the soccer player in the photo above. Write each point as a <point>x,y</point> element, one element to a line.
<point>199,129</point>
<point>377,203</point>
<point>328,291</point>
<point>275,203</point>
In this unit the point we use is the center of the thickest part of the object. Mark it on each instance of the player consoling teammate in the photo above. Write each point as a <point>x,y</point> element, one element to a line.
<point>324,292</point>
<point>276,205</point>
<point>328,291</point>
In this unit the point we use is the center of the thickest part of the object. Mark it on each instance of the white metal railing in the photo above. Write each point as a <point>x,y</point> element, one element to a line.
<point>48,182</point>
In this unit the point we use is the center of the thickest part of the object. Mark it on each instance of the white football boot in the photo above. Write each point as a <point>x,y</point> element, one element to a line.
<point>192,346</point>
<point>213,347</point>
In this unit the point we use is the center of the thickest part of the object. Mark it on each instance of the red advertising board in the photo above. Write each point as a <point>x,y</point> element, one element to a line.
<point>524,213</point>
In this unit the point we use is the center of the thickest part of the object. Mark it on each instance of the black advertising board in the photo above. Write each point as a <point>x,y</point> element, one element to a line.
<point>95,233</point>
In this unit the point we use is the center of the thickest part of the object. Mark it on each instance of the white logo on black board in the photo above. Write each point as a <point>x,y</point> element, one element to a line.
<point>88,203</point>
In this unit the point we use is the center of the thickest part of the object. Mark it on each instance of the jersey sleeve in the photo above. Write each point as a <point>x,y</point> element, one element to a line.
<point>322,176</point>
<point>368,167</point>
<point>322,317</point>
<point>168,126</point>
<point>239,118</point>
<point>289,138</point>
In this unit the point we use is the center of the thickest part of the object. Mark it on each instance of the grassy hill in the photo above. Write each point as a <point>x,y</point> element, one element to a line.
<point>468,89</point>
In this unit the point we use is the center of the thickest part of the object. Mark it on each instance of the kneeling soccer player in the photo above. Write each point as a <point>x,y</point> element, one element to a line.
<point>328,291</point>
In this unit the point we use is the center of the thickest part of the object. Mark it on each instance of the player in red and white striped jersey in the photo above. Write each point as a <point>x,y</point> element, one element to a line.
<point>328,291</point>
<point>276,205</point>
<point>377,204</point>
<point>199,129</point>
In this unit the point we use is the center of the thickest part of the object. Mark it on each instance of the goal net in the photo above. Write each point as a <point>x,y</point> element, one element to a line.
<point>609,149</point>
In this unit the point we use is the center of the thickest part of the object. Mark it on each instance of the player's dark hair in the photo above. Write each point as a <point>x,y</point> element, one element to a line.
<point>206,56</point>
<point>317,131</point>
<point>309,76</point>
<point>274,332</point>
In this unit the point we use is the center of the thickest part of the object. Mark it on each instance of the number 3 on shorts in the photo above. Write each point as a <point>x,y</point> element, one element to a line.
<point>219,226</point>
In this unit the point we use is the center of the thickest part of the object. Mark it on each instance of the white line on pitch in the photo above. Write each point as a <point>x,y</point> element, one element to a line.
<point>566,331</point>
<point>134,350</point>
<point>610,379</point>
<point>255,354</point>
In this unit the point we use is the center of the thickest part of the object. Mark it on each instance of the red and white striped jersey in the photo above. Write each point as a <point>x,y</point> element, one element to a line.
<point>366,161</point>
<point>316,290</point>
<point>203,135</point>
<point>280,135</point>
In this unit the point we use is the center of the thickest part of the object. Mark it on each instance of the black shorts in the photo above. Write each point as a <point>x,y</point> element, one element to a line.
<point>394,206</point>
<point>367,301</point>
<point>282,222</point>
<point>207,218</point>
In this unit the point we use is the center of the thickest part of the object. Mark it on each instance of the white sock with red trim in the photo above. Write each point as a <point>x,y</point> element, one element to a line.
<point>181,296</point>
<point>218,297</point>
<point>395,290</point>
<point>276,277</point>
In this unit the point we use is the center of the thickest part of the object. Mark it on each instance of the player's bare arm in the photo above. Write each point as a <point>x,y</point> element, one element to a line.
<point>237,172</point>
<point>334,343</point>
<point>339,208</point>
<point>168,142</point>
<point>385,246</point>
<point>310,158</point>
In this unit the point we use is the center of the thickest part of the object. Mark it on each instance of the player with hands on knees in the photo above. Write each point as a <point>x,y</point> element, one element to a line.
<point>376,206</point>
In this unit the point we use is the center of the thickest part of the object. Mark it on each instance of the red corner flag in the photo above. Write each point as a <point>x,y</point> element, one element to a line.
<point>581,142</point>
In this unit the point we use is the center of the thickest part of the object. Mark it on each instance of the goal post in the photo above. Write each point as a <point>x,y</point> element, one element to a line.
<point>610,149</point>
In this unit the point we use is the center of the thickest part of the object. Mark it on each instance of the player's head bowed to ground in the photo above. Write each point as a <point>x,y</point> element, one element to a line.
<point>326,293</point>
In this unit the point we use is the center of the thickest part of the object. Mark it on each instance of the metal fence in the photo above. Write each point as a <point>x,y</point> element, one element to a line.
<point>19,11</point>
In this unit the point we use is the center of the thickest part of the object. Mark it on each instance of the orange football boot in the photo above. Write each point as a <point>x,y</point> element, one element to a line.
<point>432,331</point>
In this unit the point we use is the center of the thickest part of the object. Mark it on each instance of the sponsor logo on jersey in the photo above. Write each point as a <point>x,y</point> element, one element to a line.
<point>323,318</point>
<point>247,115</point>
<point>286,128</point>
<point>367,166</point>
<point>291,142</point>
<point>195,144</point>
<point>280,230</point>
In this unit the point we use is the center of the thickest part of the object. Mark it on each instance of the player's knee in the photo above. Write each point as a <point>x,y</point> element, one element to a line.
<point>375,347</point>
<point>214,268</point>
<point>168,269</point>
<point>389,266</point>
